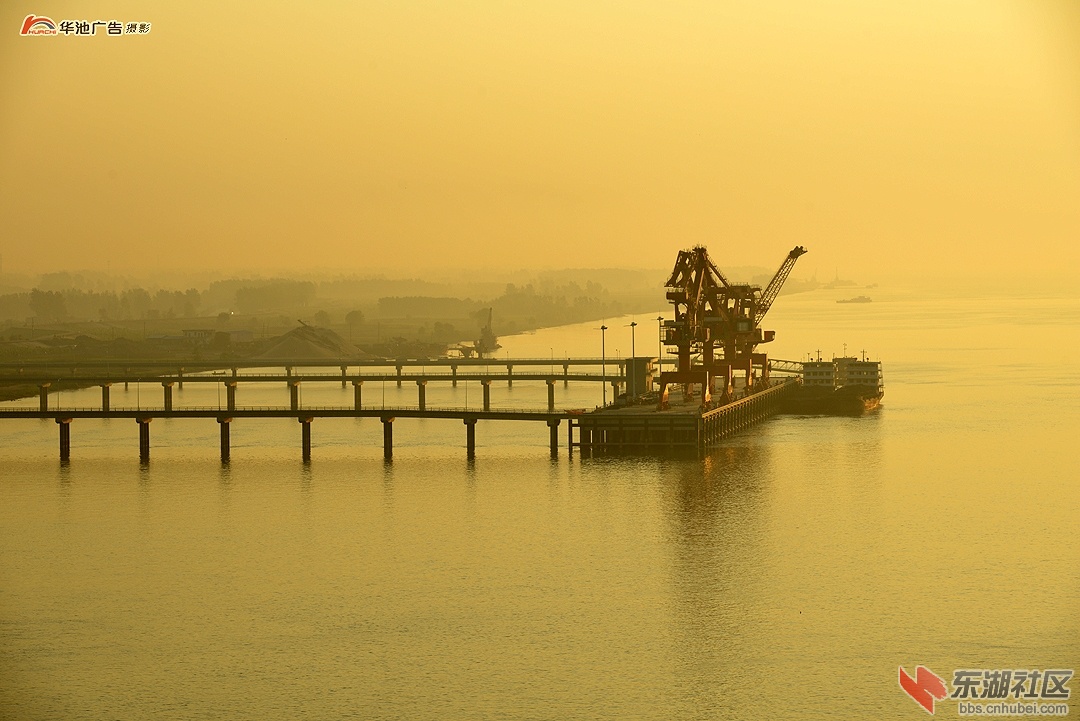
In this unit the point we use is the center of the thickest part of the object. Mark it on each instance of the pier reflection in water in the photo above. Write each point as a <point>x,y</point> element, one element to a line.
<point>753,628</point>
<point>715,514</point>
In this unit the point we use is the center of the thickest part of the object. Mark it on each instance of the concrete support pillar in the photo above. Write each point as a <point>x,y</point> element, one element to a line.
<point>388,437</point>
<point>344,372</point>
<point>294,395</point>
<point>105,396</point>
<point>180,379</point>
<point>614,390</point>
<point>486,383</point>
<point>453,374</point>
<point>223,424</point>
<point>43,397</point>
<point>230,395</point>
<point>553,429</point>
<point>565,375</point>
<point>399,376</point>
<point>305,439</point>
<point>551,394</point>
<point>356,386</point>
<point>421,390</point>
<point>144,438</point>
<point>509,375</point>
<point>470,437</point>
<point>288,374</point>
<point>167,387</point>
<point>585,441</point>
<point>65,438</point>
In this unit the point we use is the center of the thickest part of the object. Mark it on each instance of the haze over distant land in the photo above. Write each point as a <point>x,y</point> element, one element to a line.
<point>920,139</point>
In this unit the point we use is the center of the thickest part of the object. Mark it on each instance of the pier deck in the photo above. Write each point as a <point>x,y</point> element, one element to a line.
<point>684,425</point>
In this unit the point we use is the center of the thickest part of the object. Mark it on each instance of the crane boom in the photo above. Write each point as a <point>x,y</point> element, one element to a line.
<point>773,289</point>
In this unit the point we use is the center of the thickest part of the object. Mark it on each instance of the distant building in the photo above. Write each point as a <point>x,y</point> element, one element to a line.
<point>220,337</point>
<point>200,334</point>
<point>241,335</point>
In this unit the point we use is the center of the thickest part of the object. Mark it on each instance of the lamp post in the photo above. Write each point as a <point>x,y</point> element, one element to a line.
<point>603,363</point>
<point>660,344</point>
<point>632,363</point>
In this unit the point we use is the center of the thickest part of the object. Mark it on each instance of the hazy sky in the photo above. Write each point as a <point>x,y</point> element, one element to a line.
<point>919,136</point>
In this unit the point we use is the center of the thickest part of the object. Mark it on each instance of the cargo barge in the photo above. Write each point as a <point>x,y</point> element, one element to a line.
<point>845,385</point>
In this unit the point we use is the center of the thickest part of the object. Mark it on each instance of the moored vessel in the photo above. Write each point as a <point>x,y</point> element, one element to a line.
<point>844,385</point>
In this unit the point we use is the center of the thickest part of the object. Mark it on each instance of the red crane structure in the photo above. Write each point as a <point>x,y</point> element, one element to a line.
<point>718,322</point>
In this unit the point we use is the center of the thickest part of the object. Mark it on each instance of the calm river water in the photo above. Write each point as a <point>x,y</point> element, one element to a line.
<point>787,575</point>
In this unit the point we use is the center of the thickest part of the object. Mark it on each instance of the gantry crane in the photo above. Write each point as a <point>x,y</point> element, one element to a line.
<point>718,321</point>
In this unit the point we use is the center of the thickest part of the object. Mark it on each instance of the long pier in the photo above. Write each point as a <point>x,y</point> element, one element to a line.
<point>292,372</point>
<point>284,362</point>
<point>171,374</point>
<point>619,427</point>
<point>293,382</point>
<point>21,371</point>
<point>387,415</point>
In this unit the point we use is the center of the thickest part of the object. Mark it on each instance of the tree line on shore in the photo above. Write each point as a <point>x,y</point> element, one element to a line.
<point>404,311</point>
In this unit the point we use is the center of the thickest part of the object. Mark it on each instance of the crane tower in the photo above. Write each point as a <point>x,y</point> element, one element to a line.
<point>717,325</point>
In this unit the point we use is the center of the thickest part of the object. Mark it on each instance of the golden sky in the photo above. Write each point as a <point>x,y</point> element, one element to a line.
<point>917,136</point>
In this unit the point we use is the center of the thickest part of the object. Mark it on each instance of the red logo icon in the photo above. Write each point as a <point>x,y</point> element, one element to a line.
<point>924,688</point>
<point>38,25</point>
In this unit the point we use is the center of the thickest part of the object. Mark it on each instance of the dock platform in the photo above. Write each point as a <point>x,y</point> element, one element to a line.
<point>684,426</point>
